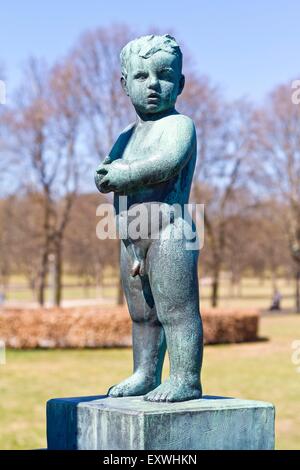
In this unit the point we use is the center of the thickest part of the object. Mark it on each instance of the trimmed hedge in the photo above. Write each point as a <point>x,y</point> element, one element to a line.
<point>90,327</point>
<point>230,326</point>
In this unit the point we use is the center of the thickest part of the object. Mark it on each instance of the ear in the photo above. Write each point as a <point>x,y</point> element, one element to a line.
<point>124,85</point>
<point>181,84</point>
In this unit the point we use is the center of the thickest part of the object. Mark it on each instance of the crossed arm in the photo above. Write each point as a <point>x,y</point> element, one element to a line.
<point>174,150</point>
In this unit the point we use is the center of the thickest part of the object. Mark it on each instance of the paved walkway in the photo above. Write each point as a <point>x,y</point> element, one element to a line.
<point>64,304</point>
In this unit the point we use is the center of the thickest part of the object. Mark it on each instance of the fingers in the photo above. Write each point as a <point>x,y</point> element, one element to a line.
<point>105,180</point>
<point>106,190</point>
<point>101,170</point>
<point>105,185</point>
<point>99,180</point>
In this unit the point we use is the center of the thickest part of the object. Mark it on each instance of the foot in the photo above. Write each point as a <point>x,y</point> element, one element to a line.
<point>137,384</point>
<point>173,390</point>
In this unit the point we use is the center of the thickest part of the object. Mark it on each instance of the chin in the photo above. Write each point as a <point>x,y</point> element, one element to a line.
<point>153,109</point>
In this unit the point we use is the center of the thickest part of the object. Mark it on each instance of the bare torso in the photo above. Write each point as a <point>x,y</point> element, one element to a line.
<point>140,142</point>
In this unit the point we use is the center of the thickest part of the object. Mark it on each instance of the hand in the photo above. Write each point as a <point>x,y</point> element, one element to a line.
<point>99,174</point>
<point>112,176</point>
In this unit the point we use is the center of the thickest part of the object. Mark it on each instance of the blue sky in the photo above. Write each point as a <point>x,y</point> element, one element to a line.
<point>247,47</point>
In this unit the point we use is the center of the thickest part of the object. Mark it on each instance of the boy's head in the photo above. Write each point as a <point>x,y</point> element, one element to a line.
<point>151,73</point>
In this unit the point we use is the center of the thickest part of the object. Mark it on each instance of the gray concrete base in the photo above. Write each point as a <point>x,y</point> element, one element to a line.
<point>131,424</point>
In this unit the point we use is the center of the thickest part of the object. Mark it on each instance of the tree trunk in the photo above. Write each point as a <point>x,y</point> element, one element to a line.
<point>99,279</point>
<point>58,273</point>
<point>215,289</point>
<point>87,285</point>
<point>42,279</point>
<point>232,285</point>
<point>274,279</point>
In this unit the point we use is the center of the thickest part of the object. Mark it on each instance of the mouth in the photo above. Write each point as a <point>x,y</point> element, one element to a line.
<point>153,97</point>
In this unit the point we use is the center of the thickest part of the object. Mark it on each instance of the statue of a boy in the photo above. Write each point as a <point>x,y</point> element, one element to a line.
<point>152,162</point>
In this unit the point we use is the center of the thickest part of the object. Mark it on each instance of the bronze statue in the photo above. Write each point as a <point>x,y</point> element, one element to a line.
<point>152,163</point>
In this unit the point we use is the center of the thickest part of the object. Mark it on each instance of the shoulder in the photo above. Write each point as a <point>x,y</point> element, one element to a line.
<point>128,129</point>
<point>125,133</point>
<point>181,121</point>
<point>121,141</point>
<point>181,126</point>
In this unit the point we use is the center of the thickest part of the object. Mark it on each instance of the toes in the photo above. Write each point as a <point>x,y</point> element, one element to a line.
<point>163,396</point>
<point>171,393</point>
<point>152,397</point>
<point>155,397</point>
<point>111,391</point>
<point>166,396</point>
<point>148,396</point>
<point>158,397</point>
<point>115,393</point>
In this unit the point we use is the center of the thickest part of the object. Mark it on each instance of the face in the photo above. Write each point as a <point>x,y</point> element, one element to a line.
<point>153,84</point>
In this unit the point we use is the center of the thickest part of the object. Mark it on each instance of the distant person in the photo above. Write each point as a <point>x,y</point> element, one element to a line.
<point>276,301</point>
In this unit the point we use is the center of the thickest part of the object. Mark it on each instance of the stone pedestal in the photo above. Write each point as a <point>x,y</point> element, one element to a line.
<point>131,423</point>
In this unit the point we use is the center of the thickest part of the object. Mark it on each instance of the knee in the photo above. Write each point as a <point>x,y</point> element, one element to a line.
<point>142,313</point>
<point>171,312</point>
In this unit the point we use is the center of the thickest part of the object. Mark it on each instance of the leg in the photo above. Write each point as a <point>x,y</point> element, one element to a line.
<point>174,283</point>
<point>148,335</point>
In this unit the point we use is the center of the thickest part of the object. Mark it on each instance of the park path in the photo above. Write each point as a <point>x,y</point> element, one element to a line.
<point>64,304</point>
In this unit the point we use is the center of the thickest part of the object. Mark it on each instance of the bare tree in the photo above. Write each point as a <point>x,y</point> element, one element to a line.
<point>85,254</point>
<point>224,146</point>
<point>105,107</point>
<point>65,129</point>
<point>5,159</point>
<point>21,237</point>
<point>279,147</point>
<point>6,242</point>
<point>42,135</point>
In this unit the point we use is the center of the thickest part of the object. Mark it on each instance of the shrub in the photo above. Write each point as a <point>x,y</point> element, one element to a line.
<point>107,327</point>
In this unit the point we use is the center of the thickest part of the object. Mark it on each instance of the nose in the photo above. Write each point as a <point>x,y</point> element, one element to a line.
<point>153,82</point>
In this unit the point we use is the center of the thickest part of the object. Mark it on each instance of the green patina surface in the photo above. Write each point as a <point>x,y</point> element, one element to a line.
<point>152,162</point>
<point>131,423</point>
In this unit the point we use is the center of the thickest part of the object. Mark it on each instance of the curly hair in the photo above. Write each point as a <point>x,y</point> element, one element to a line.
<point>146,46</point>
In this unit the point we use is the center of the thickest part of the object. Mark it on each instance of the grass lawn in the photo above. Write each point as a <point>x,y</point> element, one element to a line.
<point>261,371</point>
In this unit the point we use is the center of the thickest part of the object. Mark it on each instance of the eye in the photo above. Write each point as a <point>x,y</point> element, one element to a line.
<point>140,76</point>
<point>165,74</point>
